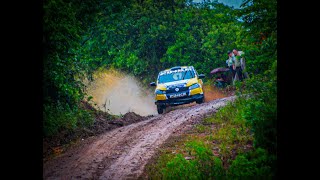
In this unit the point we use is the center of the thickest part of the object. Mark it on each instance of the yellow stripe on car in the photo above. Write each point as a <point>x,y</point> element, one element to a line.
<point>192,81</point>
<point>161,97</point>
<point>196,91</point>
<point>161,87</point>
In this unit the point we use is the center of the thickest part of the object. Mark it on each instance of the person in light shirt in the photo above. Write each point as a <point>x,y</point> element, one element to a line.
<point>238,63</point>
<point>229,63</point>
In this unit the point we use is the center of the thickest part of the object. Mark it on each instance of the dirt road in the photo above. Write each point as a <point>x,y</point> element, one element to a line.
<point>123,152</point>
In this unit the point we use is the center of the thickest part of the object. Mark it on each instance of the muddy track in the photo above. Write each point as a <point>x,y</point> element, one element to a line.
<point>123,152</point>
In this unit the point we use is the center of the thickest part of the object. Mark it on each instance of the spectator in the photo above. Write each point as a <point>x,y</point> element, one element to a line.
<point>237,58</point>
<point>230,63</point>
<point>220,80</point>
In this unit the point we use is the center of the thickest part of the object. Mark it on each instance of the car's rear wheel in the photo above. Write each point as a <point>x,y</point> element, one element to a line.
<point>160,109</point>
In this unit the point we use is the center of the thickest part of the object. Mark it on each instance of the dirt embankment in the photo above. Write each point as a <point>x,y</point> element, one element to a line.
<point>103,122</point>
<point>122,153</point>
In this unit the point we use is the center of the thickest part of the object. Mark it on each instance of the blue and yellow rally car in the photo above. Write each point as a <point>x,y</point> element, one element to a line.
<point>178,85</point>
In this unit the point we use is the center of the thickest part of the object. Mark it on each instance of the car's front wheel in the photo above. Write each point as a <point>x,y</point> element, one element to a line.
<point>200,101</point>
<point>160,109</point>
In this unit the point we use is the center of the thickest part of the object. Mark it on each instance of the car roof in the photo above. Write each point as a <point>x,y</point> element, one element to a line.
<point>178,67</point>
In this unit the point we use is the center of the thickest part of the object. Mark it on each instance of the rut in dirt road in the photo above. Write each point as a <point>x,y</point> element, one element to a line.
<point>123,152</point>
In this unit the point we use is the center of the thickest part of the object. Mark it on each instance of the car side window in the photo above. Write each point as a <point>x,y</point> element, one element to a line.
<point>188,75</point>
<point>196,73</point>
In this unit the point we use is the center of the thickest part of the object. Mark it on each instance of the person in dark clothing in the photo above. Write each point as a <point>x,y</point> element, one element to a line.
<point>220,80</point>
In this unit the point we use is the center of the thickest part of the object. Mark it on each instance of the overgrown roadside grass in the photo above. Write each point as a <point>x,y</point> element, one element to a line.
<point>221,147</point>
<point>64,128</point>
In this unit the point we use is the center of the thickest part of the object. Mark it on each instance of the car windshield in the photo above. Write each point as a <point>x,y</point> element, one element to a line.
<point>171,76</point>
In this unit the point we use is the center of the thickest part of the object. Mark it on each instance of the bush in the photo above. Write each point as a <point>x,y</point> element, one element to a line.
<point>253,164</point>
<point>59,116</point>
<point>260,112</point>
<point>180,168</point>
<point>203,165</point>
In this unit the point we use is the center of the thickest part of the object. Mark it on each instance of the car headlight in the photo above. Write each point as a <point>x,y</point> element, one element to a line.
<point>160,91</point>
<point>196,85</point>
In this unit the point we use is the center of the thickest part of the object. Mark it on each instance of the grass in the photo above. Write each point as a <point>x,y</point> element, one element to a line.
<point>221,146</point>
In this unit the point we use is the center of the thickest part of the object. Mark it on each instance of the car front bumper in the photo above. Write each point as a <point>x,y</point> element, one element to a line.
<point>180,101</point>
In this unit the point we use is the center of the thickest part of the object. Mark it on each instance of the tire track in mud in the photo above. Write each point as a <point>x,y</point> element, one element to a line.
<point>123,152</point>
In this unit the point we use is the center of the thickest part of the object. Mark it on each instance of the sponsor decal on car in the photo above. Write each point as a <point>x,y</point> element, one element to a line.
<point>178,95</point>
<point>174,71</point>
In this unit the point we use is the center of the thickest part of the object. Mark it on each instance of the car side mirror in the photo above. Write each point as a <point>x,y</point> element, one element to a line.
<point>201,76</point>
<point>153,84</point>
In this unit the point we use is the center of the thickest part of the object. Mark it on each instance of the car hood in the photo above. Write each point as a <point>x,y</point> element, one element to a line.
<point>181,83</point>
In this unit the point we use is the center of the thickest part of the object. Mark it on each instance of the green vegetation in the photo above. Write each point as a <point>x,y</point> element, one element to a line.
<point>62,116</point>
<point>142,37</point>
<point>137,37</point>
<point>203,166</point>
<point>242,135</point>
<point>231,148</point>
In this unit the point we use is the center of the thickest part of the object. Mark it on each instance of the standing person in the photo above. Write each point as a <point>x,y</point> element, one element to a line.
<point>237,57</point>
<point>244,72</point>
<point>230,63</point>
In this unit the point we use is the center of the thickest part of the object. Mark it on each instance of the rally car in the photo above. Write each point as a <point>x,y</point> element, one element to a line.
<point>178,85</point>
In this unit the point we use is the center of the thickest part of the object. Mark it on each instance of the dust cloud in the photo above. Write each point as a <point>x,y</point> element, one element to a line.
<point>118,93</point>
